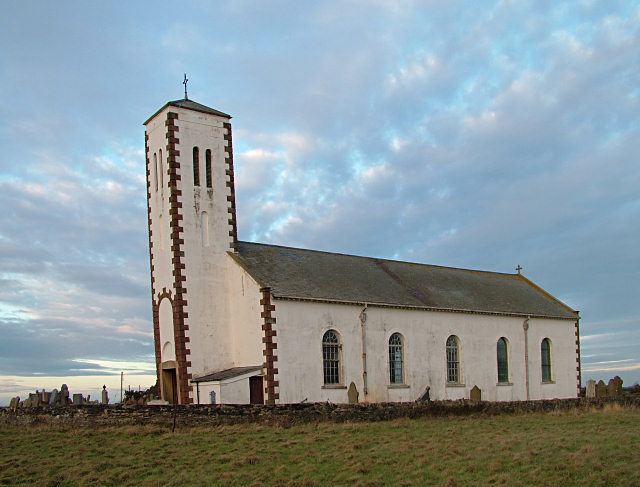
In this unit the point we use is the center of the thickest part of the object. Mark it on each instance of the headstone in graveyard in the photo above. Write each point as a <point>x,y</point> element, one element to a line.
<point>425,395</point>
<point>55,398</point>
<point>64,395</point>
<point>46,397</point>
<point>15,402</point>
<point>601,389</point>
<point>77,399</point>
<point>591,388</point>
<point>618,385</point>
<point>105,395</point>
<point>476,394</point>
<point>611,389</point>
<point>34,399</point>
<point>352,394</point>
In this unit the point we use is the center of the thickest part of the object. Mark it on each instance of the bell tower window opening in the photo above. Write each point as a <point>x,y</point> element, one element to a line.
<point>196,166</point>
<point>207,158</point>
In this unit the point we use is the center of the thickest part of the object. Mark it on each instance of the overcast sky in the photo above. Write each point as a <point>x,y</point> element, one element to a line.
<point>479,134</point>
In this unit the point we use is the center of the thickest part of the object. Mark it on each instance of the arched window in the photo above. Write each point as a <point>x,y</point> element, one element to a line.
<point>545,359</point>
<point>331,357</point>
<point>207,158</point>
<point>503,360</point>
<point>396,359</point>
<point>155,170</point>
<point>453,359</point>
<point>161,168</point>
<point>196,166</point>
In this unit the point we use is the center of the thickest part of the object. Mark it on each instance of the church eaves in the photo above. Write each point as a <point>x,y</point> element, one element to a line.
<point>191,105</point>
<point>323,276</point>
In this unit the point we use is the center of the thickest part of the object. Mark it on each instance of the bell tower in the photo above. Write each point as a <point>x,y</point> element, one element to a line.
<point>192,227</point>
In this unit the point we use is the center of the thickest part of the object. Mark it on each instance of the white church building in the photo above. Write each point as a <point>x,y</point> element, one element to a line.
<point>243,322</point>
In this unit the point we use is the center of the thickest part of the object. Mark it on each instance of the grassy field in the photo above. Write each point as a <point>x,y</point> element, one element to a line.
<point>564,449</point>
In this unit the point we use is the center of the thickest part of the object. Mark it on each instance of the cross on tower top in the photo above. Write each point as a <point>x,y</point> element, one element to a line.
<point>519,268</point>
<point>186,80</point>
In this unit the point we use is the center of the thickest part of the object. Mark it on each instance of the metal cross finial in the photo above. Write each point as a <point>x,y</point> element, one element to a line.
<point>519,268</point>
<point>186,80</point>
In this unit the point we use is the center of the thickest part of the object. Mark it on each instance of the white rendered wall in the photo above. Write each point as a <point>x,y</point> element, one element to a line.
<point>160,238</point>
<point>246,324</point>
<point>230,391</point>
<point>301,325</point>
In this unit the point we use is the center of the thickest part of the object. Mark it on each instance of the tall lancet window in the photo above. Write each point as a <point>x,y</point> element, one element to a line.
<point>196,166</point>
<point>453,359</point>
<point>207,158</point>
<point>503,361</point>
<point>396,359</point>
<point>331,357</point>
<point>545,359</point>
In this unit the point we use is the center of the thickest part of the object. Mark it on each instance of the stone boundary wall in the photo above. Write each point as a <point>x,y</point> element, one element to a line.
<point>289,414</point>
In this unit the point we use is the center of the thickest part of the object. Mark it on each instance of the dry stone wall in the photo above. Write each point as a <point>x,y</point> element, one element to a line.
<point>289,414</point>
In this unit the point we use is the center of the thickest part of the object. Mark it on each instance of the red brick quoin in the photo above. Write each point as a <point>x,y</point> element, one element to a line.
<point>177,251</point>
<point>270,358</point>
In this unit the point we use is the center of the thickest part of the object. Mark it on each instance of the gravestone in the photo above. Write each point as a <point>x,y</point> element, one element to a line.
<point>601,389</point>
<point>46,397</point>
<point>618,385</point>
<point>15,402</point>
<point>34,399</point>
<point>591,388</point>
<point>55,398</point>
<point>476,394</point>
<point>105,395</point>
<point>612,391</point>
<point>425,395</point>
<point>353,394</point>
<point>64,395</point>
<point>77,399</point>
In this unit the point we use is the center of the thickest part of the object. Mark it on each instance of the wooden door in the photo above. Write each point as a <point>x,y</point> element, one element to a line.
<point>170,386</point>
<point>256,391</point>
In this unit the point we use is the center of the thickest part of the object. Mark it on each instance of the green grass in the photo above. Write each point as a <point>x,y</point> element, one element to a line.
<point>571,448</point>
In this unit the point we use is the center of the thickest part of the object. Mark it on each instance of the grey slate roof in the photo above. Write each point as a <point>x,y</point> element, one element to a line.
<point>227,373</point>
<point>310,274</point>
<point>191,105</point>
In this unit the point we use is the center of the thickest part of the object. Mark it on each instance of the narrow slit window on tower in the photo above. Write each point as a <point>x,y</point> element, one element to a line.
<point>161,169</point>
<point>196,166</point>
<point>207,158</point>
<point>155,170</point>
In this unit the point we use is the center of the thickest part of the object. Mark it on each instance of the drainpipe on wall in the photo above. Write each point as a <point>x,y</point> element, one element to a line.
<point>525,327</point>
<point>363,335</point>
